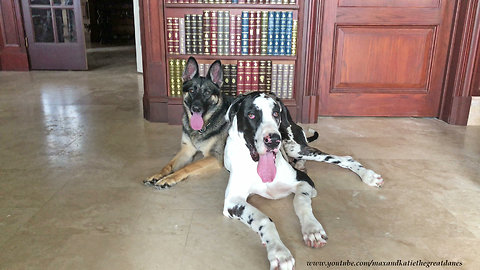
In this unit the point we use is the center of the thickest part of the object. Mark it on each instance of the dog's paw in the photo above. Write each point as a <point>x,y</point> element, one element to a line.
<point>314,235</point>
<point>280,258</point>
<point>153,180</point>
<point>169,181</point>
<point>371,178</point>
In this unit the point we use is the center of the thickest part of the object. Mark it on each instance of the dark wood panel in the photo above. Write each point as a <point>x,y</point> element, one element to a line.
<point>13,53</point>
<point>383,61</point>
<point>390,3</point>
<point>382,58</point>
<point>457,90</point>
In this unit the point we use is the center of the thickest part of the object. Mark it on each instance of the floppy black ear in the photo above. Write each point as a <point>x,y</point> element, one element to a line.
<point>215,73</point>
<point>234,107</point>
<point>285,114</point>
<point>191,69</point>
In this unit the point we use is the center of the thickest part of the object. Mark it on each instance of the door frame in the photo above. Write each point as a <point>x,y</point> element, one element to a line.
<point>460,75</point>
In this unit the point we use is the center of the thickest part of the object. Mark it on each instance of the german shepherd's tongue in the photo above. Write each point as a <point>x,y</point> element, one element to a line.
<point>196,121</point>
<point>266,167</point>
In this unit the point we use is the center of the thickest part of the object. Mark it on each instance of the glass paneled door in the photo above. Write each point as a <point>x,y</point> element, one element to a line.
<point>55,34</point>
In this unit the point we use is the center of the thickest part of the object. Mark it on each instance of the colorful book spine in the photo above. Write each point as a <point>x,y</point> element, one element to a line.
<point>207,67</point>
<point>245,40</point>
<point>238,35</point>
<point>276,33</point>
<point>288,34</point>
<point>170,43</point>
<point>226,32</point>
<point>262,74</point>
<point>251,33</point>
<point>182,35</point>
<point>176,35</point>
<point>248,76</point>
<point>178,77</point>
<point>283,33</point>
<point>271,32</point>
<point>226,87</point>
<point>291,72</point>
<point>199,34</point>
<point>240,77</point>
<point>264,33</point>
<point>285,81</point>
<point>258,32</point>
<point>194,33</point>
<point>233,82</point>
<point>171,69</point>
<point>201,70</point>
<point>221,31</point>
<point>294,37</point>
<point>255,74</point>
<point>206,32</point>
<point>213,33</point>
<point>268,76</point>
<point>232,35</point>
<point>188,33</point>
<point>277,74</point>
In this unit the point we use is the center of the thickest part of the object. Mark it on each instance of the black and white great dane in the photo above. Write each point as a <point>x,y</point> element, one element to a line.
<point>261,129</point>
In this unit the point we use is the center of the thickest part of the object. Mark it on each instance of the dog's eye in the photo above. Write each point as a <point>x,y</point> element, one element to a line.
<point>207,93</point>
<point>275,114</point>
<point>251,116</point>
<point>191,90</point>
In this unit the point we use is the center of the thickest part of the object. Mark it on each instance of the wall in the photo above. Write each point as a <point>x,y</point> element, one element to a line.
<point>138,40</point>
<point>474,116</point>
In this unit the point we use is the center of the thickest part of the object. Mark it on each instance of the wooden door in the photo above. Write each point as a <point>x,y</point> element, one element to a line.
<point>13,54</point>
<point>384,57</point>
<point>55,34</point>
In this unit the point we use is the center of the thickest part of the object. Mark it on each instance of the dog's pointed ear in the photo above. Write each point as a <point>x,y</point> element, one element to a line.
<point>234,107</point>
<point>191,69</point>
<point>215,73</point>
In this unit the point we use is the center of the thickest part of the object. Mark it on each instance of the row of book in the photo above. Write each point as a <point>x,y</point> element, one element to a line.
<point>275,2</point>
<point>219,33</point>
<point>242,77</point>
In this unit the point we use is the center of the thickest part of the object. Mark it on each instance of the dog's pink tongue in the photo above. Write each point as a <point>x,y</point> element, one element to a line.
<point>266,167</point>
<point>196,121</point>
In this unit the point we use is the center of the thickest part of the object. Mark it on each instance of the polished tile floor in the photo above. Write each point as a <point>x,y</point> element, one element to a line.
<point>74,149</point>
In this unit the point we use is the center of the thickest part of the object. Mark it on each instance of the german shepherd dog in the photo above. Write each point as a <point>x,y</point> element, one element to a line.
<point>204,126</point>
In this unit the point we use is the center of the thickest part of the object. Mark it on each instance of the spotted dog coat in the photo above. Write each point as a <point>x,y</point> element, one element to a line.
<point>260,127</point>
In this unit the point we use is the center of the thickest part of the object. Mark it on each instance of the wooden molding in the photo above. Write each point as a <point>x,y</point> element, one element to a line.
<point>459,78</point>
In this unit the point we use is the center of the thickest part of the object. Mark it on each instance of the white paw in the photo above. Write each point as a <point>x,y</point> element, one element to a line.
<point>280,258</point>
<point>371,178</point>
<point>314,235</point>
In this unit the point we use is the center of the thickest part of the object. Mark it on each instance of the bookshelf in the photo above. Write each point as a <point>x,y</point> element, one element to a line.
<point>167,107</point>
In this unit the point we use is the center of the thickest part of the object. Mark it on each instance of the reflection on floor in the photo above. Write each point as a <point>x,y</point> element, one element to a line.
<point>75,148</point>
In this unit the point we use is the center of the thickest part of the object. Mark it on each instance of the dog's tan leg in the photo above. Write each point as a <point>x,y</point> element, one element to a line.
<point>182,158</point>
<point>204,165</point>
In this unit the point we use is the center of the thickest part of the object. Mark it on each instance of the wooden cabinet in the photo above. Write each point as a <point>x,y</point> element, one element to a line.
<point>159,104</point>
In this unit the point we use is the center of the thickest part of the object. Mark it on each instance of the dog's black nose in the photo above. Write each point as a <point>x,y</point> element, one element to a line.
<point>272,140</point>
<point>196,109</point>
